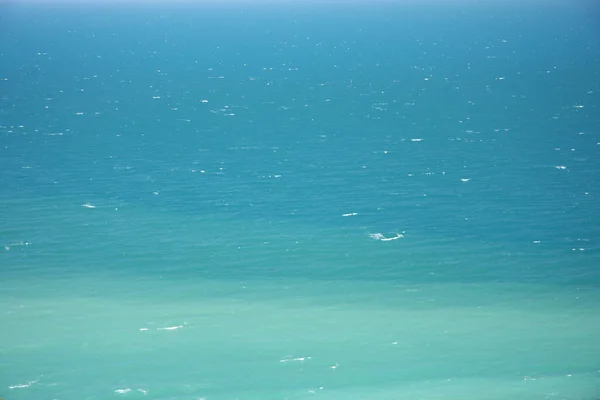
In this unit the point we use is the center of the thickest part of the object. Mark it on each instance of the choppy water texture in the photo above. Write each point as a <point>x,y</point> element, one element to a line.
<point>381,202</point>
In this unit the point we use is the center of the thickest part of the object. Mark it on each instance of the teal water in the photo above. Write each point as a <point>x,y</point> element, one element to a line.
<point>341,201</point>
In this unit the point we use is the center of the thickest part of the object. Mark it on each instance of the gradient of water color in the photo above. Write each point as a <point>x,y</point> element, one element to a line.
<point>378,202</point>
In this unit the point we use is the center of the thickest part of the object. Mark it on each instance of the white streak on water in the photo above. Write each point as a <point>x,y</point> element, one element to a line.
<point>287,359</point>
<point>169,328</point>
<point>380,236</point>
<point>22,386</point>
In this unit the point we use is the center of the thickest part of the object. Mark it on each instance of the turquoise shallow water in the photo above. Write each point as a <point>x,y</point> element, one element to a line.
<point>290,202</point>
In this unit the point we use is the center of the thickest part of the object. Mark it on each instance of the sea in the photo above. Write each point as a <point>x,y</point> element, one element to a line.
<point>290,200</point>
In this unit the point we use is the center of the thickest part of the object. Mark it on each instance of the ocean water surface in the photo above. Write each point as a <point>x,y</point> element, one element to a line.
<point>378,201</point>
